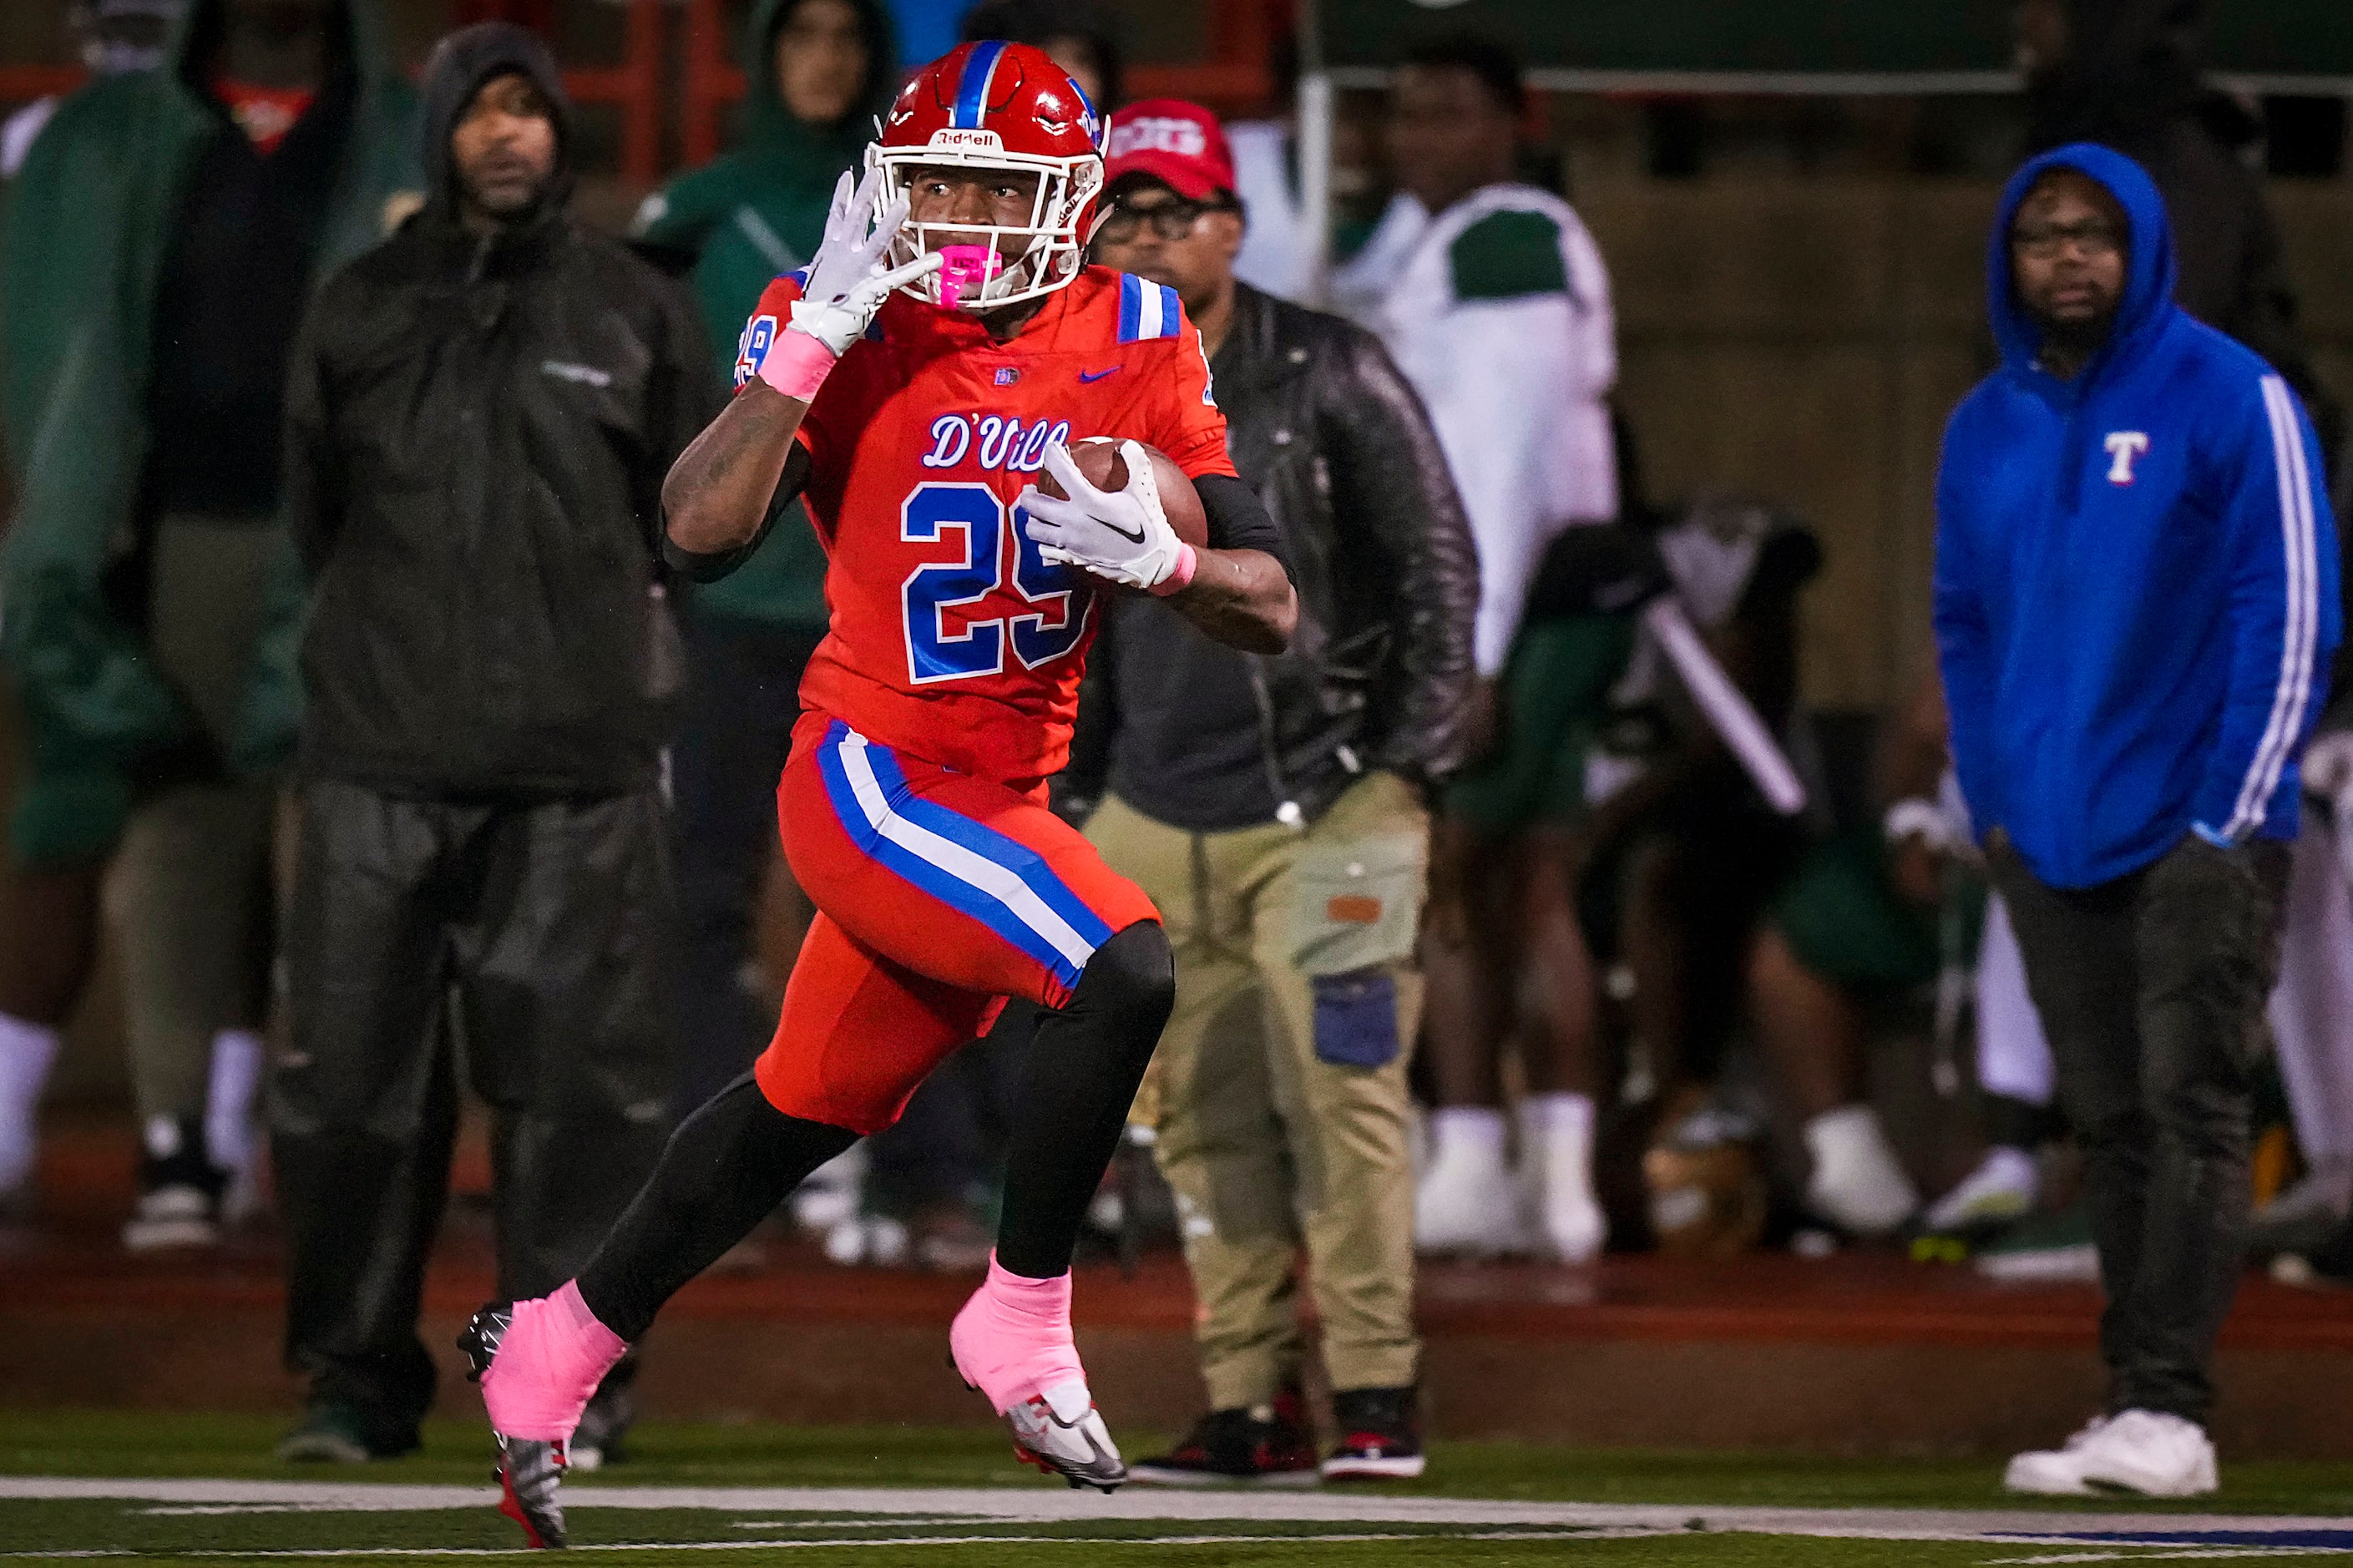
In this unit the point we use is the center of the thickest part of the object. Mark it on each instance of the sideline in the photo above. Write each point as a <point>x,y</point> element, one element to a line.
<point>826,1508</point>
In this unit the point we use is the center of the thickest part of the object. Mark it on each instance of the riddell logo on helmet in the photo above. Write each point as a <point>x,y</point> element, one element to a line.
<point>974,140</point>
<point>1158,134</point>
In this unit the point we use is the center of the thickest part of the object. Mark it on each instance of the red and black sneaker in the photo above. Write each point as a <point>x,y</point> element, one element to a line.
<point>1381,1437</point>
<point>1271,1446</point>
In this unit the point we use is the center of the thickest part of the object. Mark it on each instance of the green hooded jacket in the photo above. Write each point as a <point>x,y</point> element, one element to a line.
<point>748,215</point>
<point>88,219</point>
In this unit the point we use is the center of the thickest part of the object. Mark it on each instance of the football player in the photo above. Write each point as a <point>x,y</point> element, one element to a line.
<point>946,345</point>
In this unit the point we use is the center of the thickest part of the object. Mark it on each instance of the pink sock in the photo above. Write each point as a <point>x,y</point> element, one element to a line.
<point>1013,1337</point>
<point>554,1354</point>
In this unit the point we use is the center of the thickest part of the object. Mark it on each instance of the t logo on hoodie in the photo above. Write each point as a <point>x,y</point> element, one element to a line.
<point>2123,445</point>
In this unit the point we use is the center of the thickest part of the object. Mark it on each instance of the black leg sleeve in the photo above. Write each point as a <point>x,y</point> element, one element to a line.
<point>1081,1079</point>
<point>726,1169</point>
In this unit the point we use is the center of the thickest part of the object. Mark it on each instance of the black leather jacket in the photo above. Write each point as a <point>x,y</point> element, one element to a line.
<point>1379,674</point>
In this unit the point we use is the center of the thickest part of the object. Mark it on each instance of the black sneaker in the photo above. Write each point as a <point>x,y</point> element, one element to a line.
<point>179,1188</point>
<point>1380,1437</point>
<point>1270,1447</point>
<point>334,1433</point>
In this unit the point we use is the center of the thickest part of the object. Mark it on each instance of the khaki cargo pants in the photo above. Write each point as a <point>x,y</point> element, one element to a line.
<point>1279,1092</point>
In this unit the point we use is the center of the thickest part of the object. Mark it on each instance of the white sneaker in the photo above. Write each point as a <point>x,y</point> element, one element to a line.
<point>1557,1171</point>
<point>1857,1183</point>
<point>2147,1452</point>
<point>170,1217</point>
<point>2054,1472</point>
<point>2002,1188</point>
<point>1467,1202</point>
<point>2151,1453</point>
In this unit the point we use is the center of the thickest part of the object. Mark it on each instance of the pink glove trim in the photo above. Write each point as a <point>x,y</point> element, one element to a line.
<point>797,364</point>
<point>1180,577</point>
<point>553,1357</point>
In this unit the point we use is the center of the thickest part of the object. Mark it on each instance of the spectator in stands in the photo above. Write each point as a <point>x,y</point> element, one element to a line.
<point>161,238</point>
<point>1718,905</point>
<point>1858,920</point>
<point>1075,34</point>
<point>1272,807</point>
<point>111,37</point>
<point>2125,73</point>
<point>480,416</point>
<point>2136,602</point>
<point>819,72</point>
<point>1495,304</point>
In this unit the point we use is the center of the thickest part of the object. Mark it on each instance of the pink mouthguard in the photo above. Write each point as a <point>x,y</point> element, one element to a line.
<point>964,268</point>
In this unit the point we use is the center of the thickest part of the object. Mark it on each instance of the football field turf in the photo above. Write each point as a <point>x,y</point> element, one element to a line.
<point>170,1487</point>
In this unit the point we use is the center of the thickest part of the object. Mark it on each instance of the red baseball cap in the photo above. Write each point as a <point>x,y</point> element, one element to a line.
<point>1176,142</point>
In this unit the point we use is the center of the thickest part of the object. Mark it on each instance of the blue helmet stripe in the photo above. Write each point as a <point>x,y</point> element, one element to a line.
<point>971,88</point>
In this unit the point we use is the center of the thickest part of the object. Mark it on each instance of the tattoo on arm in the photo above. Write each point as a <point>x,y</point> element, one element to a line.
<point>719,491</point>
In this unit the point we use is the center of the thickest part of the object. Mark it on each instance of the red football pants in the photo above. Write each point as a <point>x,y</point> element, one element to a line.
<point>939,895</point>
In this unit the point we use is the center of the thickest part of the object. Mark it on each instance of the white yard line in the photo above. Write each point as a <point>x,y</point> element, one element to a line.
<point>2092,1533</point>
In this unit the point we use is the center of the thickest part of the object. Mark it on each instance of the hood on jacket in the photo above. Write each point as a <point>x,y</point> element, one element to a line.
<point>356,45</point>
<point>767,121</point>
<point>2130,65</point>
<point>458,69</point>
<point>2148,302</point>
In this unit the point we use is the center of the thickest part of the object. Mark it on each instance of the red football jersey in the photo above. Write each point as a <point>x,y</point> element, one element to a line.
<point>949,636</point>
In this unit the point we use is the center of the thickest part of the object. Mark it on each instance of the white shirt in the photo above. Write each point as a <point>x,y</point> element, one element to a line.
<point>1517,384</point>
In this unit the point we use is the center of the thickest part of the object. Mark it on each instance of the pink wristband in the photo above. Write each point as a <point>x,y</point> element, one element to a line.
<point>1187,562</point>
<point>797,364</point>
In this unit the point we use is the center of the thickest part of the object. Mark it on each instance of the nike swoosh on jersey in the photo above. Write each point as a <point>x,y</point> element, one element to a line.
<point>1098,375</point>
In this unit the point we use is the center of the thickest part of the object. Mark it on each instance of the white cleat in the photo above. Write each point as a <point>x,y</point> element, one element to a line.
<point>1062,1432</point>
<point>1857,1183</point>
<point>2002,1188</point>
<point>1468,1205</point>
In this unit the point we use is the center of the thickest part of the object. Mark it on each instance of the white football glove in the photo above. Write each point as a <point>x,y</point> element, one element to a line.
<point>1120,534</point>
<point>847,280</point>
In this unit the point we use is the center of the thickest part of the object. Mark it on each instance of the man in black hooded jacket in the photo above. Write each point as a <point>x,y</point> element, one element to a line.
<point>481,413</point>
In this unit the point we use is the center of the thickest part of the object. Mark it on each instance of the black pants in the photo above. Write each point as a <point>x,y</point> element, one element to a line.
<point>549,926</point>
<point>743,698</point>
<point>2151,988</point>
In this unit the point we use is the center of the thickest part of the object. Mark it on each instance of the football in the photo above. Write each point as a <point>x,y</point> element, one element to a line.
<point>1098,458</point>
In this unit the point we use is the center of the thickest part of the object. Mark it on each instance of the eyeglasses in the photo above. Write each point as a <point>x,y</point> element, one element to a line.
<point>1171,221</point>
<point>2046,242</point>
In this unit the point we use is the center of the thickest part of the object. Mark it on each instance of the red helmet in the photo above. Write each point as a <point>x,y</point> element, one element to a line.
<point>992,105</point>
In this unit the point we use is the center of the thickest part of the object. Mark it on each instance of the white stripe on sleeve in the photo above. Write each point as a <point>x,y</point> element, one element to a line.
<point>2301,632</point>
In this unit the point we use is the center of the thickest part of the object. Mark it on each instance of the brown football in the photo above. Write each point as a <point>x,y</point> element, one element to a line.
<point>1097,458</point>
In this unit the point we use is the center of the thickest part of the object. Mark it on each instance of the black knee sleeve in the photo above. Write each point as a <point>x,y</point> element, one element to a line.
<point>1084,1066</point>
<point>1130,983</point>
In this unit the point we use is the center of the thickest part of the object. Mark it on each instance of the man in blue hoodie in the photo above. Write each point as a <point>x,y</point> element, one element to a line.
<point>2136,603</point>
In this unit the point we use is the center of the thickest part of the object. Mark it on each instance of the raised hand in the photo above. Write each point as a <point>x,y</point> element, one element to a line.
<point>847,280</point>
